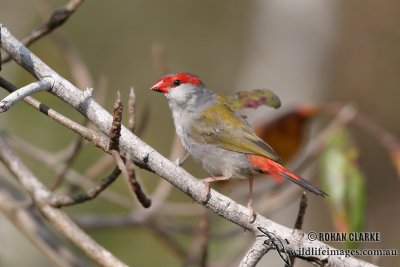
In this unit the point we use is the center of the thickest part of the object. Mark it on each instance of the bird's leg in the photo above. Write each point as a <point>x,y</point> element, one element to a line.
<point>207,181</point>
<point>180,161</point>
<point>250,202</point>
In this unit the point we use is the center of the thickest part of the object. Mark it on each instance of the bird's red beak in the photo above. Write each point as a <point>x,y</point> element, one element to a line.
<point>160,87</point>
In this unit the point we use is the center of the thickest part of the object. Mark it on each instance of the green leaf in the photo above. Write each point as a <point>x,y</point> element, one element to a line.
<point>345,184</point>
<point>253,99</point>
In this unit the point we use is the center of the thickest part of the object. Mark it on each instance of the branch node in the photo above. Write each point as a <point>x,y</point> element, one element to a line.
<point>115,131</point>
<point>45,84</point>
<point>88,92</point>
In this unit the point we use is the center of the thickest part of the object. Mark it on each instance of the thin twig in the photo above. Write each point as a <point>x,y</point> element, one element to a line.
<point>58,179</point>
<point>88,134</point>
<point>100,140</point>
<point>18,95</point>
<point>198,252</point>
<point>62,201</point>
<point>302,211</point>
<point>33,227</point>
<point>55,217</point>
<point>56,19</point>
<point>72,176</point>
<point>115,131</point>
<point>163,189</point>
<point>130,166</point>
<point>298,225</point>
<point>128,173</point>
<point>135,185</point>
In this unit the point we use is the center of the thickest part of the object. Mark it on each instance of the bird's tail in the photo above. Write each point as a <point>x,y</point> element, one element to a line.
<point>277,171</point>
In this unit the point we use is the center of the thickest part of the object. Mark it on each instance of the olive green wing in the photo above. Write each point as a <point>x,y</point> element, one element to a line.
<point>220,126</point>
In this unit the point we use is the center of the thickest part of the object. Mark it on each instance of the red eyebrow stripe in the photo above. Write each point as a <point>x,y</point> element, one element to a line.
<point>183,77</point>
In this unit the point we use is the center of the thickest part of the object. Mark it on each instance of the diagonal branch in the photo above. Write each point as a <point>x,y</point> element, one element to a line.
<point>57,218</point>
<point>31,225</point>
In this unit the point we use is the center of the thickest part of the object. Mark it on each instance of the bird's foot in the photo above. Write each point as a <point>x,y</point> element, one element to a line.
<point>207,186</point>
<point>252,214</point>
<point>177,162</point>
<point>180,161</point>
<point>207,181</point>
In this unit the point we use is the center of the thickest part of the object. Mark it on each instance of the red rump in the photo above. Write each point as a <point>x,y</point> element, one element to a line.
<point>271,167</point>
<point>278,172</point>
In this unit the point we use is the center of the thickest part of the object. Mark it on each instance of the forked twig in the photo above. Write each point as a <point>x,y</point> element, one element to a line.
<point>128,172</point>
<point>62,201</point>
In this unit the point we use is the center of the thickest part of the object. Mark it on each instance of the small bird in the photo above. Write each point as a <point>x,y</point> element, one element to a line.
<point>222,141</point>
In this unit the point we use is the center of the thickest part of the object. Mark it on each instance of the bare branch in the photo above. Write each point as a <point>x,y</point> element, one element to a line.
<point>130,166</point>
<point>57,19</point>
<point>27,90</point>
<point>75,178</point>
<point>62,201</point>
<point>31,224</point>
<point>129,173</point>
<point>98,139</point>
<point>135,185</point>
<point>56,217</point>
<point>199,248</point>
<point>302,211</point>
<point>164,187</point>
<point>86,133</point>
<point>254,254</point>
<point>57,180</point>
<point>115,131</point>
<point>300,218</point>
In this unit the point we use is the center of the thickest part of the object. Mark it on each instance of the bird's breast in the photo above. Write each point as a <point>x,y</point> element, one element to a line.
<point>215,160</point>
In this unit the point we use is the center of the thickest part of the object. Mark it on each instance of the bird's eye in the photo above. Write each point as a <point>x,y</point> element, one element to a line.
<point>177,82</point>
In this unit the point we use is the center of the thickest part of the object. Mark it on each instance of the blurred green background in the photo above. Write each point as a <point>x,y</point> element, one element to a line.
<point>305,51</point>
